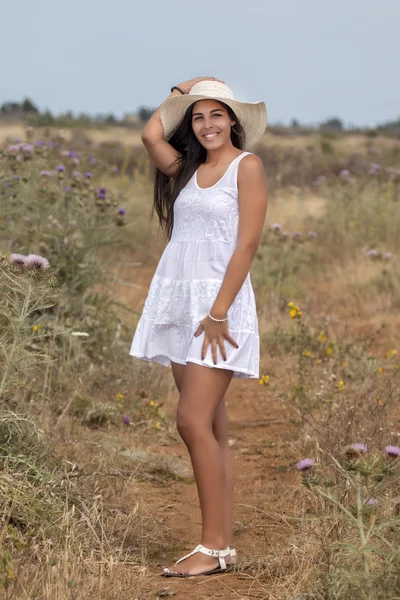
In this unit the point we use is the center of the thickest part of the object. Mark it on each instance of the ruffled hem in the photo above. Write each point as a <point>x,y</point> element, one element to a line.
<point>163,343</point>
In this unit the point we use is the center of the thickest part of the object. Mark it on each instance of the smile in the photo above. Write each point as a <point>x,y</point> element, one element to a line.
<point>211,136</point>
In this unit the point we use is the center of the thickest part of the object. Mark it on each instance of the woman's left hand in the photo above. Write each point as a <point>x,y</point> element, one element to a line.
<point>214,334</point>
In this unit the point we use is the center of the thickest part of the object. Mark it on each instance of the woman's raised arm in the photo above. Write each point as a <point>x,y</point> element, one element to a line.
<point>162,154</point>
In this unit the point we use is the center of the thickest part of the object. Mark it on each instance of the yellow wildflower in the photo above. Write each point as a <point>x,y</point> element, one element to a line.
<point>380,370</point>
<point>340,385</point>
<point>36,328</point>
<point>318,360</point>
<point>379,400</point>
<point>391,353</point>
<point>294,310</point>
<point>346,363</point>
<point>158,425</point>
<point>307,353</point>
<point>119,396</point>
<point>322,337</point>
<point>264,379</point>
<point>329,350</point>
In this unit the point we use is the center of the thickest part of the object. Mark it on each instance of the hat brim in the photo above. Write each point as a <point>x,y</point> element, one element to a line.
<point>252,116</point>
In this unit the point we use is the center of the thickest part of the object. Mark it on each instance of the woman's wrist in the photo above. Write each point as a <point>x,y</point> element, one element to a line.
<point>174,93</point>
<point>181,89</point>
<point>217,314</point>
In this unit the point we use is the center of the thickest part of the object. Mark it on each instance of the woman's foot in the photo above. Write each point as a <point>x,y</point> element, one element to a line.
<point>200,562</point>
<point>196,564</point>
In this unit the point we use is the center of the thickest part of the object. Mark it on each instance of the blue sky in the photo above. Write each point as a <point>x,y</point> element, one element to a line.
<point>307,59</point>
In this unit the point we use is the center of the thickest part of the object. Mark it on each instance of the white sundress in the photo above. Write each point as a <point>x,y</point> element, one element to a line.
<point>188,278</point>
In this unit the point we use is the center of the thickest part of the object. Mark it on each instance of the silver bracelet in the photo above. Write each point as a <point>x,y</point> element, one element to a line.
<point>218,320</point>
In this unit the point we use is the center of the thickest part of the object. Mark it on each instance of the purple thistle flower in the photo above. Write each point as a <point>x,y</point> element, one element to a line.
<point>12,149</point>
<point>16,177</point>
<point>27,148</point>
<point>127,419</point>
<point>18,259</point>
<point>344,173</point>
<point>121,211</point>
<point>92,160</point>
<point>359,447</point>
<point>89,175</point>
<point>17,140</point>
<point>46,173</point>
<point>297,234</point>
<point>101,195</point>
<point>60,168</point>
<point>40,143</point>
<point>387,255</point>
<point>305,464</point>
<point>276,227</point>
<point>115,170</point>
<point>393,451</point>
<point>373,168</point>
<point>354,450</point>
<point>321,179</point>
<point>370,501</point>
<point>102,190</point>
<point>67,189</point>
<point>372,252</point>
<point>312,235</point>
<point>287,234</point>
<point>35,261</point>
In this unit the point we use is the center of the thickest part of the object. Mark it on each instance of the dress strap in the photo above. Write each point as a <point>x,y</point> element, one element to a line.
<point>230,178</point>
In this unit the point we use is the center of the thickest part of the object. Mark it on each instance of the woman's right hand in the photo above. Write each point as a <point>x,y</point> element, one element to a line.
<point>186,86</point>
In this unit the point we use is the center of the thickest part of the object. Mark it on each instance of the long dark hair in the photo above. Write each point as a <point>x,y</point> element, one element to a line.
<point>167,189</point>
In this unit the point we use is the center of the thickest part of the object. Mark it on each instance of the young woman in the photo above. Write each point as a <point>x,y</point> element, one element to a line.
<point>200,317</point>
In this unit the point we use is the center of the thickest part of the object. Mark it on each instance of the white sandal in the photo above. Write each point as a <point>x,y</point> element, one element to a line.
<point>219,554</point>
<point>233,554</point>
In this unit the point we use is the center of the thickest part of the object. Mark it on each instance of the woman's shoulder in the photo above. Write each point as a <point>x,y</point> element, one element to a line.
<point>250,163</point>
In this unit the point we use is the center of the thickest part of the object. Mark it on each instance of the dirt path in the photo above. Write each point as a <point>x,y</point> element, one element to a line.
<point>264,458</point>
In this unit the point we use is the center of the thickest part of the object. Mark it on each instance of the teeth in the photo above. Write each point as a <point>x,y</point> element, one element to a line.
<point>211,135</point>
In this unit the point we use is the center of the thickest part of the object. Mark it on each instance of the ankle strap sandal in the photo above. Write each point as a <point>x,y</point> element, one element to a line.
<point>218,554</point>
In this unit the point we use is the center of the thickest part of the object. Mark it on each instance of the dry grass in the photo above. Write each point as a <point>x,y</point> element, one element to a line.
<point>133,514</point>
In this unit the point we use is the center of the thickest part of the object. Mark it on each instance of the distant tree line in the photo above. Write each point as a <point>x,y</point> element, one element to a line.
<point>28,111</point>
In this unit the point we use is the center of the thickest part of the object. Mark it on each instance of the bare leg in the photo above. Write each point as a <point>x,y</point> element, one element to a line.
<point>220,428</point>
<point>201,390</point>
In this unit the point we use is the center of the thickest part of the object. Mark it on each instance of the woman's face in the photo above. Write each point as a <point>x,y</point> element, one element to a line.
<point>211,123</point>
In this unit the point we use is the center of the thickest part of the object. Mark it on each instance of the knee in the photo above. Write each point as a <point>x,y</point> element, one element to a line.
<point>221,435</point>
<point>189,428</point>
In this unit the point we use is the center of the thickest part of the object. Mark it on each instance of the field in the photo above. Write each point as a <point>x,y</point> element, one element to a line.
<point>97,493</point>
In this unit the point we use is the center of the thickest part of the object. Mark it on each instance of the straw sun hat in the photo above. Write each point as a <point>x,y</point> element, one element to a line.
<point>252,115</point>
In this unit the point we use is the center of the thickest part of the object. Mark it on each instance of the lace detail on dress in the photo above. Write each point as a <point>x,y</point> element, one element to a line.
<point>200,216</point>
<point>188,302</point>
